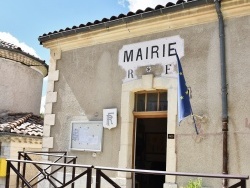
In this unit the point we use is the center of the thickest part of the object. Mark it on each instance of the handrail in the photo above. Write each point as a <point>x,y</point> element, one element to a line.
<point>100,174</point>
<point>48,154</point>
<point>140,171</point>
<point>50,163</point>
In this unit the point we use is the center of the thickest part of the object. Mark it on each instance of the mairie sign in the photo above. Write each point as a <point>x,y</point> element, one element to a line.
<point>160,51</point>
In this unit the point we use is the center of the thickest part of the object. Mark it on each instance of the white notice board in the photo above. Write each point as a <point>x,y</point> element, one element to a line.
<point>86,136</point>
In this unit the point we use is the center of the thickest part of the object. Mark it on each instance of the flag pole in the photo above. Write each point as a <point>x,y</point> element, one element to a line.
<point>196,129</point>
<point>184,104</point>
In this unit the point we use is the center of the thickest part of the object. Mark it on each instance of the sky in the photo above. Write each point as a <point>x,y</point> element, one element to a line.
<point>22,22</point>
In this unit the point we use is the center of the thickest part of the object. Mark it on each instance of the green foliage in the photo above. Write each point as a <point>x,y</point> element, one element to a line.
<point>197,183</point>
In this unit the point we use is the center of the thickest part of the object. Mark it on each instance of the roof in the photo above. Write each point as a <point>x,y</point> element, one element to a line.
<point>15,53</point>
<point>123,19</point>
<point>21,124</point>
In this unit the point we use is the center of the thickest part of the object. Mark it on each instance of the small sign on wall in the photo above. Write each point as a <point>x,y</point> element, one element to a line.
<point>110,118</point>
<point>86,136</point>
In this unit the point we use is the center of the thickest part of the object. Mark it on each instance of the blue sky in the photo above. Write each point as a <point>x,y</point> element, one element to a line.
<point>26,20</point>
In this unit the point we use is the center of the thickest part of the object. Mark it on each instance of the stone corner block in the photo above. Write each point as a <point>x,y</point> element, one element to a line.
<point>49,119</point>
<point>51,97</point>
<point>56,54</point>
<point>48,142</point>
<point>53,75</point>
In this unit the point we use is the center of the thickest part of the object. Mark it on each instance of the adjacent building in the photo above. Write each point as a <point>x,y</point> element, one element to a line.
<point>21,126</point>
<point>21,80</point>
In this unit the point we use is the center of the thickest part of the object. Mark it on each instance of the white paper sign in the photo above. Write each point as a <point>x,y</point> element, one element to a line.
<point>86,136</point>
<point>110,118</point>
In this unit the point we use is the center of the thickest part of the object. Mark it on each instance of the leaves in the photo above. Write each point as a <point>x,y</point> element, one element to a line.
<point>197,183</point>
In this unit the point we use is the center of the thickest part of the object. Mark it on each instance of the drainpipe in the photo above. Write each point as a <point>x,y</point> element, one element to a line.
<point>223,90</point>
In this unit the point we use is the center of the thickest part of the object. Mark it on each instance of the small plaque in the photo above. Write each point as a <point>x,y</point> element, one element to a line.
<point>110,118</point>
<point>170,136</point>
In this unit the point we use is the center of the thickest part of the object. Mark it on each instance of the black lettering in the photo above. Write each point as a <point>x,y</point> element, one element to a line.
<point>163,51</point>
<point>128,57</point>
<point>171,49</point>
<point>146,52</point>
<point>168,68</point>
<point>130,73</point>
<point>154,49</point>
<point>139,54</point>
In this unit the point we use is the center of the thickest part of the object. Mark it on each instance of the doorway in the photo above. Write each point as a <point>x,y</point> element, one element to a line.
<point>150,151</point>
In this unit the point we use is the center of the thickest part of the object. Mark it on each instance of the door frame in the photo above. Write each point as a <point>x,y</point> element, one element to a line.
<point>144,115</point>
<point>146,83</point>
<point>157,114</point>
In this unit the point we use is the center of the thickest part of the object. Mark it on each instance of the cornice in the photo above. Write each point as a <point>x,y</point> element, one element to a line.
<point>25,59</point>
<point>21,139</point>
<point>157,24</point>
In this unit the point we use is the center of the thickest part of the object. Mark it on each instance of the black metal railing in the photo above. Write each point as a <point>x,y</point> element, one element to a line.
<point>100,174</point>
<point>40,173</point>
<point>48,174</point>
<point>27,155</point>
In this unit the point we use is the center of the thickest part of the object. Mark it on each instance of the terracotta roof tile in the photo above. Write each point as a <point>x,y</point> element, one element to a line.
<point>169,7</point>
<point>21,56</point>
<point>9,45</point>
<point>21,123</point>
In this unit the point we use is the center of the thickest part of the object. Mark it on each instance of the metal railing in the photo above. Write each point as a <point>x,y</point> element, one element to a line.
<point>27,155</point>
<point>88,172</point>
<point>47,176</point>
<point>99,174</point>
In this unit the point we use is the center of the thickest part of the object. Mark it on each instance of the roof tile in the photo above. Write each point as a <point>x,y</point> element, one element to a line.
<point>129,17</point>
<point>21,123</point>
<point>17,54</point>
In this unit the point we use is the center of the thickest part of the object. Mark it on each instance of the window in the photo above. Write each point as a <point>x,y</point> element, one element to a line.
<point>151,101</point>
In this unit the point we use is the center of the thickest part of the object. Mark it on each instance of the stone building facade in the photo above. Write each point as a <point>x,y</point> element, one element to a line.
<point>128,63</point>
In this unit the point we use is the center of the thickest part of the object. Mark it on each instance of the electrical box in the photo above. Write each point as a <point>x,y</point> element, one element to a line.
<point>3,166</point>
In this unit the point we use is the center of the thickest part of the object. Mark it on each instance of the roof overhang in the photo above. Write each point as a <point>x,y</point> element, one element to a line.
<point>169,18</point>
<point>124,20</point>
<point>25,59</point>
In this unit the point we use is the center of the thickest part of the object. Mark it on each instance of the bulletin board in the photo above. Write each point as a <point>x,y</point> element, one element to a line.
<point>86,136</point>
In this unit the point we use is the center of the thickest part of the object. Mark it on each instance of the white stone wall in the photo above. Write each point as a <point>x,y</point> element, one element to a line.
<point>21,87</point>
